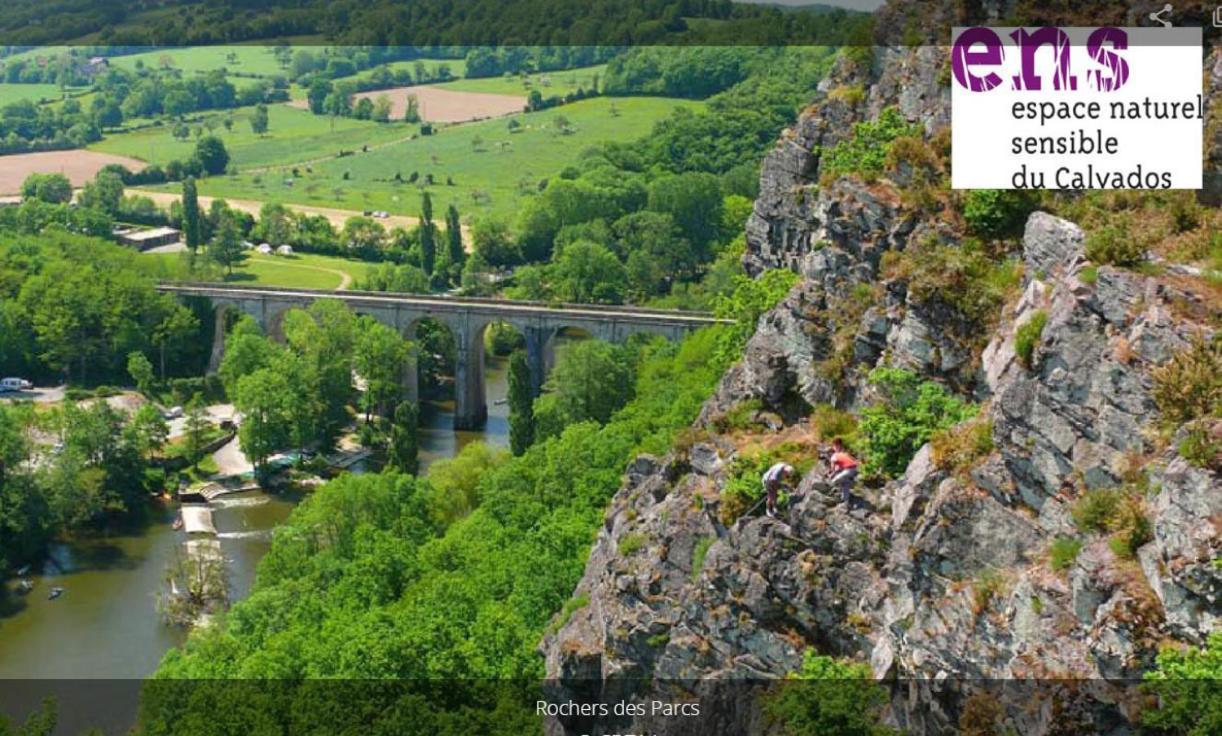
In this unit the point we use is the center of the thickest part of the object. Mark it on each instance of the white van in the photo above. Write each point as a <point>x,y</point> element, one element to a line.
<point>15,384</point>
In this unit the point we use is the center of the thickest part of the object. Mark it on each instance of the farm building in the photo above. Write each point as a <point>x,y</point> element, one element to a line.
<point>153,238</point>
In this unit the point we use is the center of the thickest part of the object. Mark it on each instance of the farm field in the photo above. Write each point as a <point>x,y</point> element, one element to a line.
<point>10,93</point>
<point>492,169</point>
<point>440,105</point>
<point>302,271</point>
<point>548,83</point>
<point>79,166</point>
<point>197,59</point>
<point>293,136</point>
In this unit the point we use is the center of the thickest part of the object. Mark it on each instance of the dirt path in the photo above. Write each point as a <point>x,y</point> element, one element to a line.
<point>345,278</point>
<point>337,217</point>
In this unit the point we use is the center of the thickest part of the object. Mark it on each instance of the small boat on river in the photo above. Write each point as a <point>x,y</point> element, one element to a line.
<point>55,593</point>
<point>25,585</point>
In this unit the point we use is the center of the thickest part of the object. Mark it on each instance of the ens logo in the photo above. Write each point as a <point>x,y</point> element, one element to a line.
<point>977,49</point>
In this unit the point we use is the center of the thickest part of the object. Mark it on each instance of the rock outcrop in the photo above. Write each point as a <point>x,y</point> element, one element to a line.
<point>942,580</point>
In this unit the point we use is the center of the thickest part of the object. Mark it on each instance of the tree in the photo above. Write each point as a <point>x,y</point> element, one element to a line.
<point>521,404</point>
<point>404,449</point>
<point>141,371</point>
<point>104,193</point>
<point>590,381</point>
<point>587,272</point>
<point>49,188</point>
<point>412,113</point>
<point>363,110</point>
<point>261,396</point>
<point>381,109</point>
<point>196,426</point>
<point>173,330</point>
<point>454,239</point>
<point>428,235</point>
<point>212,156</point>
<point>226,248</point>
<point>492,241</point>
<point>148,430</point>
<point>258,120</point>
<point>379,357</point>
<point>695,202</point>
<point>192,225</point>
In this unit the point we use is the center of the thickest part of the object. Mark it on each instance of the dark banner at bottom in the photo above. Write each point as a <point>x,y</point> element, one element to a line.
<point>603,707</point>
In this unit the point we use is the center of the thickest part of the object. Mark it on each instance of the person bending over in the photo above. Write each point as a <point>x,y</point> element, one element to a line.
<point>775,478</point>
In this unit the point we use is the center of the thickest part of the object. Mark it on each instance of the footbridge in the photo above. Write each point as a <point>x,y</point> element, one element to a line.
<point>466,318</point>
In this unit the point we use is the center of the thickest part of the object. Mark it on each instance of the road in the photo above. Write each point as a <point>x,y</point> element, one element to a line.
<point>47,395</point>
<point>336,217</point>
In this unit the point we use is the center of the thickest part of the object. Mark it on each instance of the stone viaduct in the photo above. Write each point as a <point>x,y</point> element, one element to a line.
<point>466,317</point>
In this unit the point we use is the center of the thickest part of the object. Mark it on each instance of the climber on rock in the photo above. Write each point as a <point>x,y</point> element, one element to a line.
<point>774,479</point>
<point>844,470</point>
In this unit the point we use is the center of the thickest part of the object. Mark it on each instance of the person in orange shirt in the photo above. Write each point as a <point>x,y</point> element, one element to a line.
<point>844,468</point>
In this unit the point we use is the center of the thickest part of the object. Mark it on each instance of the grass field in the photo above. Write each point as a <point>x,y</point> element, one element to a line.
<point>293,136</point>
<point>246,59</point>
<point>548,83</point>
<point>493,169</point>
<point>10,93</point>
<point>302,271</point>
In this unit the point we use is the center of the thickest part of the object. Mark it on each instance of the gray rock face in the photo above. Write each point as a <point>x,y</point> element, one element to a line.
<point>944,576</point>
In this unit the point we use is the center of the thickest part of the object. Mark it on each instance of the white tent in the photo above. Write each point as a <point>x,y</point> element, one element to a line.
<point>285,250</point>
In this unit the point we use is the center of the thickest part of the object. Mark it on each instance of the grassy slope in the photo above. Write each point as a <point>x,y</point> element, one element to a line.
<point>293,136</point>
<point>304,271</point>
<point>10,93</point>
<point>249,59</point>
<point>458,67</point>
<point>506,175</point>
<point>548,84</point>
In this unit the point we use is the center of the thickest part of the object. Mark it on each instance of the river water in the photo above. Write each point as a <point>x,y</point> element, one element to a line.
<point>106,626</point>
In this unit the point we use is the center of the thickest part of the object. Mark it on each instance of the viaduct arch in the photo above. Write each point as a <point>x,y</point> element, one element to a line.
<point>467,319</point>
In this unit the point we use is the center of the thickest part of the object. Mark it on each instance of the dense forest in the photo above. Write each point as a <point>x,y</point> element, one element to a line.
<point>424,23</point>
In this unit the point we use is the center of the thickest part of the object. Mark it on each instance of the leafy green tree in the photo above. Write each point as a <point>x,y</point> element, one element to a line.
<point>262,397</point>
<point>591,379</point>
<point>226,247</point>
<point>1186,684</point>
<point>192,226</point>
<point>379,358</point>
<point>259,120</point>
<point>404,447</point>
<point>14,448</point>
<point>212,156</point>
<point>49,188</point>
<point>428,235</point>
<point>493,242</point>
<point>588,272</point>
<point>196,426</point>
<point>521,404</point>
<point>828,696</point>
<point>141,371</point>
<point>104,193</point>
<point>745,305</point>
<point>695,203</point>
<point>177,325</point>
<point>909,411</point>
<point>148,430</point>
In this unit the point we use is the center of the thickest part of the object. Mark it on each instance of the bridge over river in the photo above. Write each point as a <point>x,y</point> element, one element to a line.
<point>466,317</point>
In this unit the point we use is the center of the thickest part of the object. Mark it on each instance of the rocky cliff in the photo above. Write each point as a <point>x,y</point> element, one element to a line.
<point>954,574</point>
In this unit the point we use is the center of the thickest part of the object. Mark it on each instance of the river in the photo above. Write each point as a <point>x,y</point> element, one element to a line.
<point>106,626</point>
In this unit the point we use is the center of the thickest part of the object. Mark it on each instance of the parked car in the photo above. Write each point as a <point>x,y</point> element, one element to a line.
<point>174,412</point>
<point>15,384</point>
